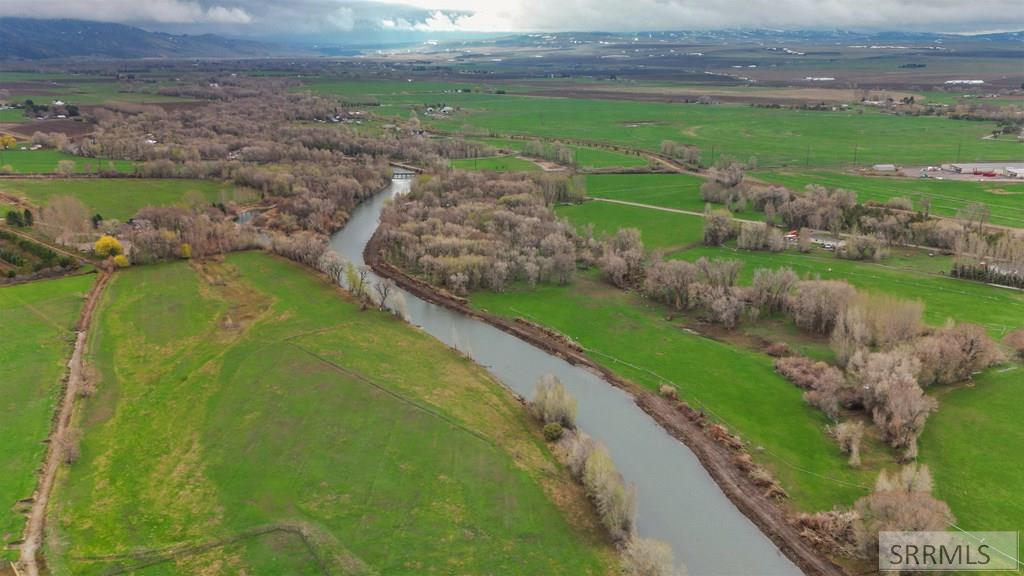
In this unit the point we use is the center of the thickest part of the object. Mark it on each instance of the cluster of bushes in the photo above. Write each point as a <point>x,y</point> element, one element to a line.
<point>902,500</point>
<point>889,359</point>
<point>687,154</point>
<point>465,230</point>
<point>591,465</point>
<point>171,232</point>
<point>20,219</point>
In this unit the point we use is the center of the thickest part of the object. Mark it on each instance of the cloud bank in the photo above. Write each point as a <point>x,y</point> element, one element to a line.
<point>317,17</point>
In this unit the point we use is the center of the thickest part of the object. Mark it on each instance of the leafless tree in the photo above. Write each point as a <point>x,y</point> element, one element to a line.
<point>383,288</point>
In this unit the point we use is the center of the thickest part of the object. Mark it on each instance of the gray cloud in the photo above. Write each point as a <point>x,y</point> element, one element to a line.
<point>319,19</point>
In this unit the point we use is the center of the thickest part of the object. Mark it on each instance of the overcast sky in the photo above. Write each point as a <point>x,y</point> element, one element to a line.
<point>324,18</point>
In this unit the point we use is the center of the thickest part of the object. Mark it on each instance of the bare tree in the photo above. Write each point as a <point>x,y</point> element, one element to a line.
<point>954,353</point>
<point>889,388</point>
<point>383,288</point>
<point>901,501</point>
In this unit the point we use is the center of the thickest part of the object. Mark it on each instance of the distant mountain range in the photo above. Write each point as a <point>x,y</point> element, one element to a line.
<point>27,38</point>
<point>37,39</point>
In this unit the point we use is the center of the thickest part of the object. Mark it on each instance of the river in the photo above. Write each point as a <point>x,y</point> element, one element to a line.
<point>677,500</point>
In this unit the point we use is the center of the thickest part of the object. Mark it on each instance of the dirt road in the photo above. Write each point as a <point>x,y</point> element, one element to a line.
<point>28,564</point>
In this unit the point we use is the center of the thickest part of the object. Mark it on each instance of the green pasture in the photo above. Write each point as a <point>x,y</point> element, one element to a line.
<point>252,393</point>
<point>37,322</point>
<point>774,136</point>
<point>121,198</point>
<point>44,161</point>
<point>496,164</point>
<point>677,191</point>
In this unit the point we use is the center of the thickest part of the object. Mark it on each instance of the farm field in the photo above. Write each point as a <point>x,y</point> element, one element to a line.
<point>121,198</point>
<point>496,164</point>
<point>586,157</point>
<point>774,136</point>
<point>1005,201</point>
<point>12,115</point>
<point>250,393</point>
<point>661,230</point>
<point>678,191</point>
<point>74,89</point>
<point>45,162</point>
<point>37,321</point>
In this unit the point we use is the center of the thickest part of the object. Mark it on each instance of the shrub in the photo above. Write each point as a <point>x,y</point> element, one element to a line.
<point>718,227</point>
<point>901,501</point>
<point>107,246</point>
<point>887,382</point>
<point>953,354</point>
<point>861,248</point>
<point>121,261</point>
<point>1015,340</point>
<point>770,289</point>
<point>552,403</point>
<point>760,236</point>
<point>553,432</point>
<point>616,502</point>
<point>647,557</point>
<point>849,435</point>
<point>577,451</point>
<point>825,385</point>
<point>816,304</point>
<point>667,391</point>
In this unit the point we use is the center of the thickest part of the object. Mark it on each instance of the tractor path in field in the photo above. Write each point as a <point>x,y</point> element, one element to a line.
<point>28,561</point>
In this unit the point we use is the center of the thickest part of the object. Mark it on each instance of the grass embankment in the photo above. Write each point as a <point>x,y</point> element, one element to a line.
<point>45,162</point>
<point>496,164</point>
<point>774,136</point>
<point>37,323</point>
<point>252,392</point>
<point>1005,200</point>
<point>121,198</point>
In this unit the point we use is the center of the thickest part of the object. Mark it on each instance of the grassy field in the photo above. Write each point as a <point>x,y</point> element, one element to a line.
<point>251,393</point>
<point>586,157</point>
<point>12,115</point>
<point>37,322</point>
<point>45,162</point>
<point>661,230</point>
<point>973,446</point>
<point>496,164</point>
<point>1004,200</point>
<point>678,191</point>
<point>774,136</point>
<point>121,198</point>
